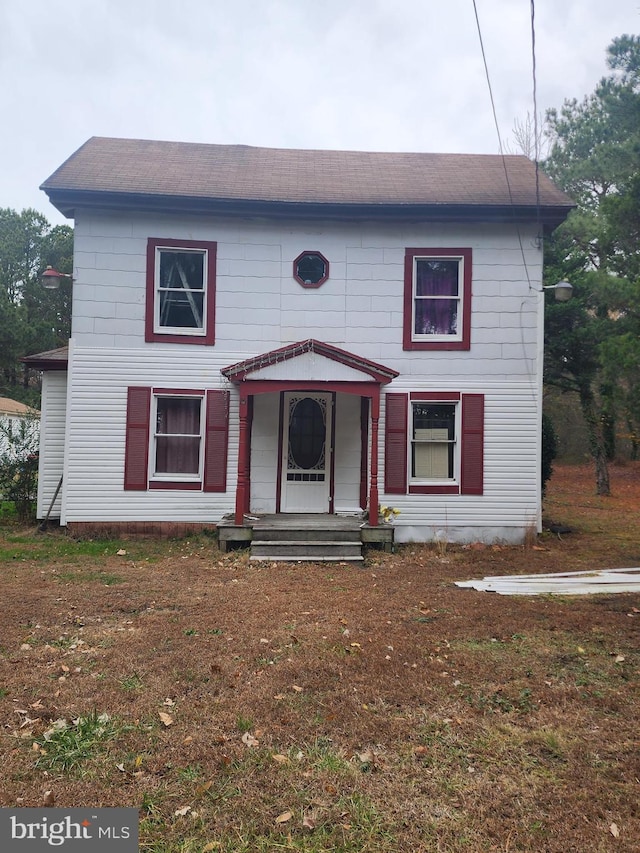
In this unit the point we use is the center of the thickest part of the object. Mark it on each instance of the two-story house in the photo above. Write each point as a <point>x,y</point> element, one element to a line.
<point>270,331</point>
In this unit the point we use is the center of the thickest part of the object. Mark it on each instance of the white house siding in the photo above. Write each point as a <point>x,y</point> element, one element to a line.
<point>260,307</point>
<point>511,503</point>
<point>347,453</point>
<point>52,435</point>
<point>264,452</point>
<point>94,477</point>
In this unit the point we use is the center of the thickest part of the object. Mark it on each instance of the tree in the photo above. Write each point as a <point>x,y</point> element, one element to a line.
<point>593,344</point>
<point>32,319</point>
<point>528,137</point>
<point>19,440</point>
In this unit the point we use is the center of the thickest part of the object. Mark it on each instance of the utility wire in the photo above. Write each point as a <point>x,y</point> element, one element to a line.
<point>536,141</point>
<point>500,146</point>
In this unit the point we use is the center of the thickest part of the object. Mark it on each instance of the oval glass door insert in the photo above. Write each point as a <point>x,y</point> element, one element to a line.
<point>307,434</point>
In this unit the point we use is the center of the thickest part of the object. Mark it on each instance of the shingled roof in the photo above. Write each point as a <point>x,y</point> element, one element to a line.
<point>53,359</point>
<point>178,175</point>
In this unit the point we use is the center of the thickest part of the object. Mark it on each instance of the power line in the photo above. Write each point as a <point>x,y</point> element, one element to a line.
<point>500,146</point>
<point>536,141</point>
<point>486,73</point>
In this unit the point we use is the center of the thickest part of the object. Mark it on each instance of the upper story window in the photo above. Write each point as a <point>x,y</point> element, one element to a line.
<point>437,299</point>
<point>181,277</point>
<point>311,269</point>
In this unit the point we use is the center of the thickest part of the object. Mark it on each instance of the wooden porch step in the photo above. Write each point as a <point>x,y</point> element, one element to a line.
<point>319,533</point>
<point>303,536</point>
<point>318,550</point>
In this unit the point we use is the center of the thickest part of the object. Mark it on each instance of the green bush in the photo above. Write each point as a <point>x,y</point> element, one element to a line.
<point>19,465</point>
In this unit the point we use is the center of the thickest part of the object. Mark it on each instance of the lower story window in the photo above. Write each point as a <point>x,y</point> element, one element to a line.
<point>178,437</point>
<point>433,441</point>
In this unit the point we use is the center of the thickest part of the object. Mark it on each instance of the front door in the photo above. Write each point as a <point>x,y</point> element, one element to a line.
<point>306,452</point>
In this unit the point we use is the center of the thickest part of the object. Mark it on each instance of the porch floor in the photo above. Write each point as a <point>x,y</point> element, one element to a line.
<point>310,528</point>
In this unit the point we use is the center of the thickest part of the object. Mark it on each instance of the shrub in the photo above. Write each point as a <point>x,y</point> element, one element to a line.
<point>19,464</point>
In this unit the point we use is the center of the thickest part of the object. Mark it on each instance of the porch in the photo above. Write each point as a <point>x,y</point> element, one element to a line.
<point>308,421</point>
<point>310,537</point>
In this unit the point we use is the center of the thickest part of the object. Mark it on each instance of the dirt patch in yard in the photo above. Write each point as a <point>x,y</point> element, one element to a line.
<point>260,707</point>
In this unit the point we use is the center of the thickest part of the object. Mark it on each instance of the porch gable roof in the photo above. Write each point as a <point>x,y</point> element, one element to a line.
<point>250,367</point>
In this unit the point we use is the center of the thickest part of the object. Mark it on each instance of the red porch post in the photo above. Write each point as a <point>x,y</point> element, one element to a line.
<point>242,488</point>
<point>373,486</point>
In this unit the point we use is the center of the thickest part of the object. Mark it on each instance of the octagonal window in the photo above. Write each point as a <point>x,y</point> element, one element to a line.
<point>311,269</point>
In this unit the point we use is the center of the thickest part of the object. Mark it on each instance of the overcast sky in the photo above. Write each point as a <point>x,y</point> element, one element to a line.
<point>376,75</point>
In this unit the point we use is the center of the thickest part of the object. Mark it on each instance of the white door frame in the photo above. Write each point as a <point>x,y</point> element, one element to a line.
<point>306,489</point>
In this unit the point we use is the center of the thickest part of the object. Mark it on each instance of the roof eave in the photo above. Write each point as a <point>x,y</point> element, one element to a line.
<point>68,200</point>
<point>57,359</point>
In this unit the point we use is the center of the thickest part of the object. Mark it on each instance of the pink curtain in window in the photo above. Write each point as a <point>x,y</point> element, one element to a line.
<point>436,316</point>
<point>178,436</point>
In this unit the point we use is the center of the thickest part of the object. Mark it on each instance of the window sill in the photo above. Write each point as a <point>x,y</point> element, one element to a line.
<point>179,485</point>
<point>177,338</point>
<point>441,344</point>
<point>435,489</point>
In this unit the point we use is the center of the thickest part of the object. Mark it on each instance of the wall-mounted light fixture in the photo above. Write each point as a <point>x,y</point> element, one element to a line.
<point>562,291</point>
<point>50,278</point>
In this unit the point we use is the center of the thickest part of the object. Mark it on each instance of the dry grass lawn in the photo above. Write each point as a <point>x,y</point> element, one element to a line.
<point>257,707</point>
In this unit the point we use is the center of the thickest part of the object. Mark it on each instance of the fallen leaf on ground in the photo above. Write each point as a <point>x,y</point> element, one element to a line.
<point>167,719</point>
<point>309,822</point>
<point>182,812</point>
<point>613,829</point>
<point>280,759</point>
<point>284,817</point>
<point>249,739</point>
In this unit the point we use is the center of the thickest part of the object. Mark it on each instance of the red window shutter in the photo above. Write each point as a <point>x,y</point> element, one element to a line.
<point>216,441</point>
<point>136,453</point>
<point>472,475</point>
<point>395,444</point>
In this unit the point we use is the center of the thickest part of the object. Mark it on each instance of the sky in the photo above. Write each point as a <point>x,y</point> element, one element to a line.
<point>370,75</point>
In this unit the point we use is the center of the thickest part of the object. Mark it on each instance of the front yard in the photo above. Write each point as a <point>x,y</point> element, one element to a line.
<point>258,707</point>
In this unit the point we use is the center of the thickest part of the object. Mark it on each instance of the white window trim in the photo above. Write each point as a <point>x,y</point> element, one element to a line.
<point>172,477</point>
<point>187,331</point>
<point>460,298</point>
<point>457,444</point>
